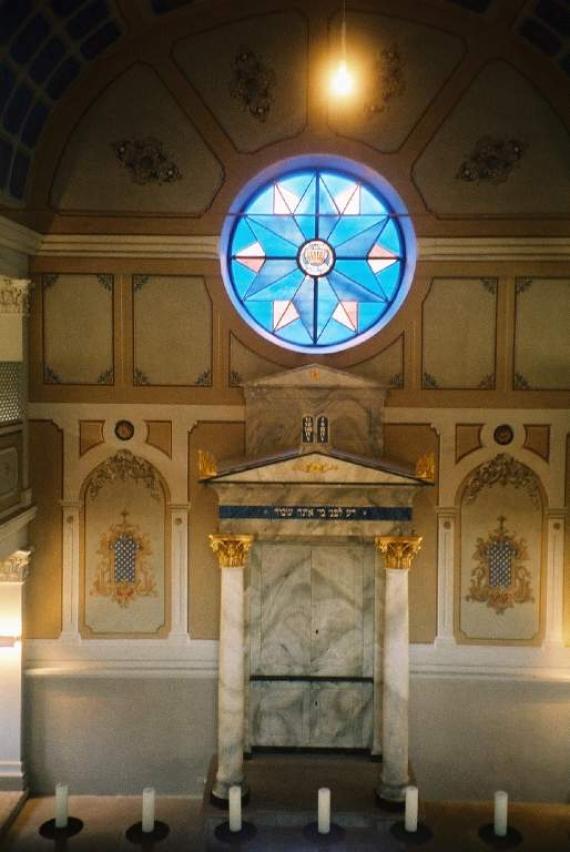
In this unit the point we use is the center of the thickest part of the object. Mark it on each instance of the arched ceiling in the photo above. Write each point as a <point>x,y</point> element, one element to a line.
<point>53,52</point>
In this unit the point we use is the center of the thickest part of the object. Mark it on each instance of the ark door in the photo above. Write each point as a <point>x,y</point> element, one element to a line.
<point>311,629</point>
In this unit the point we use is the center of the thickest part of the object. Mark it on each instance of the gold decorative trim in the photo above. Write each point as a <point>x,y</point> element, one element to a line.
<point>14,295</point>
<point>207,464</point>
<point>399,550</point>
<point>232,550</point>
<point>124,592</point>
<point>314,466</point>
<point>124,465</point>
<point>500,596</point>
<point>16,568</point>
<point>502,470</point>
<point>425,467</point>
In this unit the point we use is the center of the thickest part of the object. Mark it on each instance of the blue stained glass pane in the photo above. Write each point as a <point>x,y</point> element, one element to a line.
<point>283,288</point>
<point>311,244</point>
<point>273,244</point>
<point>242,277</point>
<point>270,272</point>
<point>283,226</point>
<point>262,203</point>
<point>391,238</point>
<point>243,236</point>
<point>361,244</point>
<point>349,227</point>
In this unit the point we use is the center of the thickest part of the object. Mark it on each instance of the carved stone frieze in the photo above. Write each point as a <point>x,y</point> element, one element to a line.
<point>502,470</point>
<point>232,550</point>
<point>16,568</point>
<point>399,550</point>
<point>122,466</point>
<point>14,295</point>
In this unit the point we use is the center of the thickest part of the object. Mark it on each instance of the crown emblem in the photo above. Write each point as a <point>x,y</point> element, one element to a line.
<point>316,253</point>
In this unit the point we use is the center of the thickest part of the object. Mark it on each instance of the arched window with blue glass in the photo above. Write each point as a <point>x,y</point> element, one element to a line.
<point>318,254</point>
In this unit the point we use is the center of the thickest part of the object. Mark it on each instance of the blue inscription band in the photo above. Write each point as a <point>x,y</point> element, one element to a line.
<point>317,513</point>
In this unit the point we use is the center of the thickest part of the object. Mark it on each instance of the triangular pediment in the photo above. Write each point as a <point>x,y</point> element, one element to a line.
<point>313,375</point>
<point>317,467</point>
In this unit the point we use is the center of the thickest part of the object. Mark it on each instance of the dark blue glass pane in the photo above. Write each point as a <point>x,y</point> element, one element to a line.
<point>96,43</point>
<point>47,59</point>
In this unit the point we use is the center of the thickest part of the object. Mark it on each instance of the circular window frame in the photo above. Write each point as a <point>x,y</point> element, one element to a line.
<point>351,169</point>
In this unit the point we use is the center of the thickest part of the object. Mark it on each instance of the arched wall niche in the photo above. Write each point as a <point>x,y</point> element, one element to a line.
<point>125,550</point>
<point>501,549</point>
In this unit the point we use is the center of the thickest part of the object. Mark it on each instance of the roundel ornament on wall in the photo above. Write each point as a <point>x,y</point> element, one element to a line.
<point>318,254</point>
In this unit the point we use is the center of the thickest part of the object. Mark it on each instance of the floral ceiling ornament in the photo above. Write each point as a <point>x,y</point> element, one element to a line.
<point>389,81</point>
<point>122,466</point>
<point>492,160</point>
<point>146,160</point>
<point>123,573</point>
<point>252,83</point>
<point>499,578</point>
<point>502,470</point>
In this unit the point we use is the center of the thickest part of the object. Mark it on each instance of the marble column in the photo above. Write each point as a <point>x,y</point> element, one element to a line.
<point>399,552</point>
<point>13,573</point>
<point>232,552</point>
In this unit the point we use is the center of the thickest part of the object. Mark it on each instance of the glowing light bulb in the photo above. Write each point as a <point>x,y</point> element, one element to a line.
<point>342,82</point>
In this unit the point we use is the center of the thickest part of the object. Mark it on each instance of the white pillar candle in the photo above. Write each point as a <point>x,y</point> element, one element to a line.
<point>324,810</point>
<point>148,810</point>
<point>61,805</point>
<point>235,808</point>
<point>411,815</point>
<point>501,808</point>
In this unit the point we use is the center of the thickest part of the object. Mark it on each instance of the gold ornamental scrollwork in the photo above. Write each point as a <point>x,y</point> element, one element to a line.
<point>232,550</point>
<point>207,464</point>
<point>500,578</point>
<point>425,467</point>
<point>399,550</point>
<point>314,466</point>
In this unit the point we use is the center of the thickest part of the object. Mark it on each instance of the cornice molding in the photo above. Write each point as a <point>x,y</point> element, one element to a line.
<point>494,248</point>
<point>18,238</point>
<point>129,245</point>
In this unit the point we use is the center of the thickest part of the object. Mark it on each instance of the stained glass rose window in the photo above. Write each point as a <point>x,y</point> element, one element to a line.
<point>317,258</point>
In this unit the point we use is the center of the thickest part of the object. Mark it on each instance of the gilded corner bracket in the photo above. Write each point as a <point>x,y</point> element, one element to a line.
<point>399,550</point>
<point>232,550</point>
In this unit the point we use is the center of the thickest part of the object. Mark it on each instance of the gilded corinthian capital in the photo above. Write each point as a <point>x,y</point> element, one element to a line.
<point>231,550</point>
<point>14,295</point>
<point>399,550</point>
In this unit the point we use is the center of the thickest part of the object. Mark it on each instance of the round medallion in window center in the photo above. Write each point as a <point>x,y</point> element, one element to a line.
<point>316,258</point>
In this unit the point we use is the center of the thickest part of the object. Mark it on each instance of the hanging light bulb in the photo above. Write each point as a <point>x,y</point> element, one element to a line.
<point>342,81</point>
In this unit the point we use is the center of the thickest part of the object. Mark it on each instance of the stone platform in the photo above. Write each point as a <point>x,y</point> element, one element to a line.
<point>283,802</point>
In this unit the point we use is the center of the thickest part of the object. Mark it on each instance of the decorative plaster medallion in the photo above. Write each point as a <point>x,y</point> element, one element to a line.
<point>146,161</point>
<point>389,81</point>
<point>124,430</point>
<point>122,466</point>
<point>502,470</point>
<point>503,434</point>
<point>492,160</point>
<point>123,573</point>
<point>252,83</point>
<point>500,579</point>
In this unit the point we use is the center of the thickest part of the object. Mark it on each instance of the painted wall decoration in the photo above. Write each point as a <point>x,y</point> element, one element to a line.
<point>172,319</point>
<point>78,328</point>
<point>542,342</point>
<point>501,549</point>
<point>402,65</point>
<point>463,357</point>
<point>125,550</point>
<point>493,158</point>
<point>136,150</point>
<point>257,89</point>
<point>146,160</point>
<point>500,579</point>
<point>252,83</point>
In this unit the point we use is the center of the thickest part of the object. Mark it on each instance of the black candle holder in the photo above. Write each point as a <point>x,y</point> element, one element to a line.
<point>412,838</point>
<point>512,837</point>
<point>136,835</point>
<point>50,831</point>
<point>336,833</point>
<point>223,833</point>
